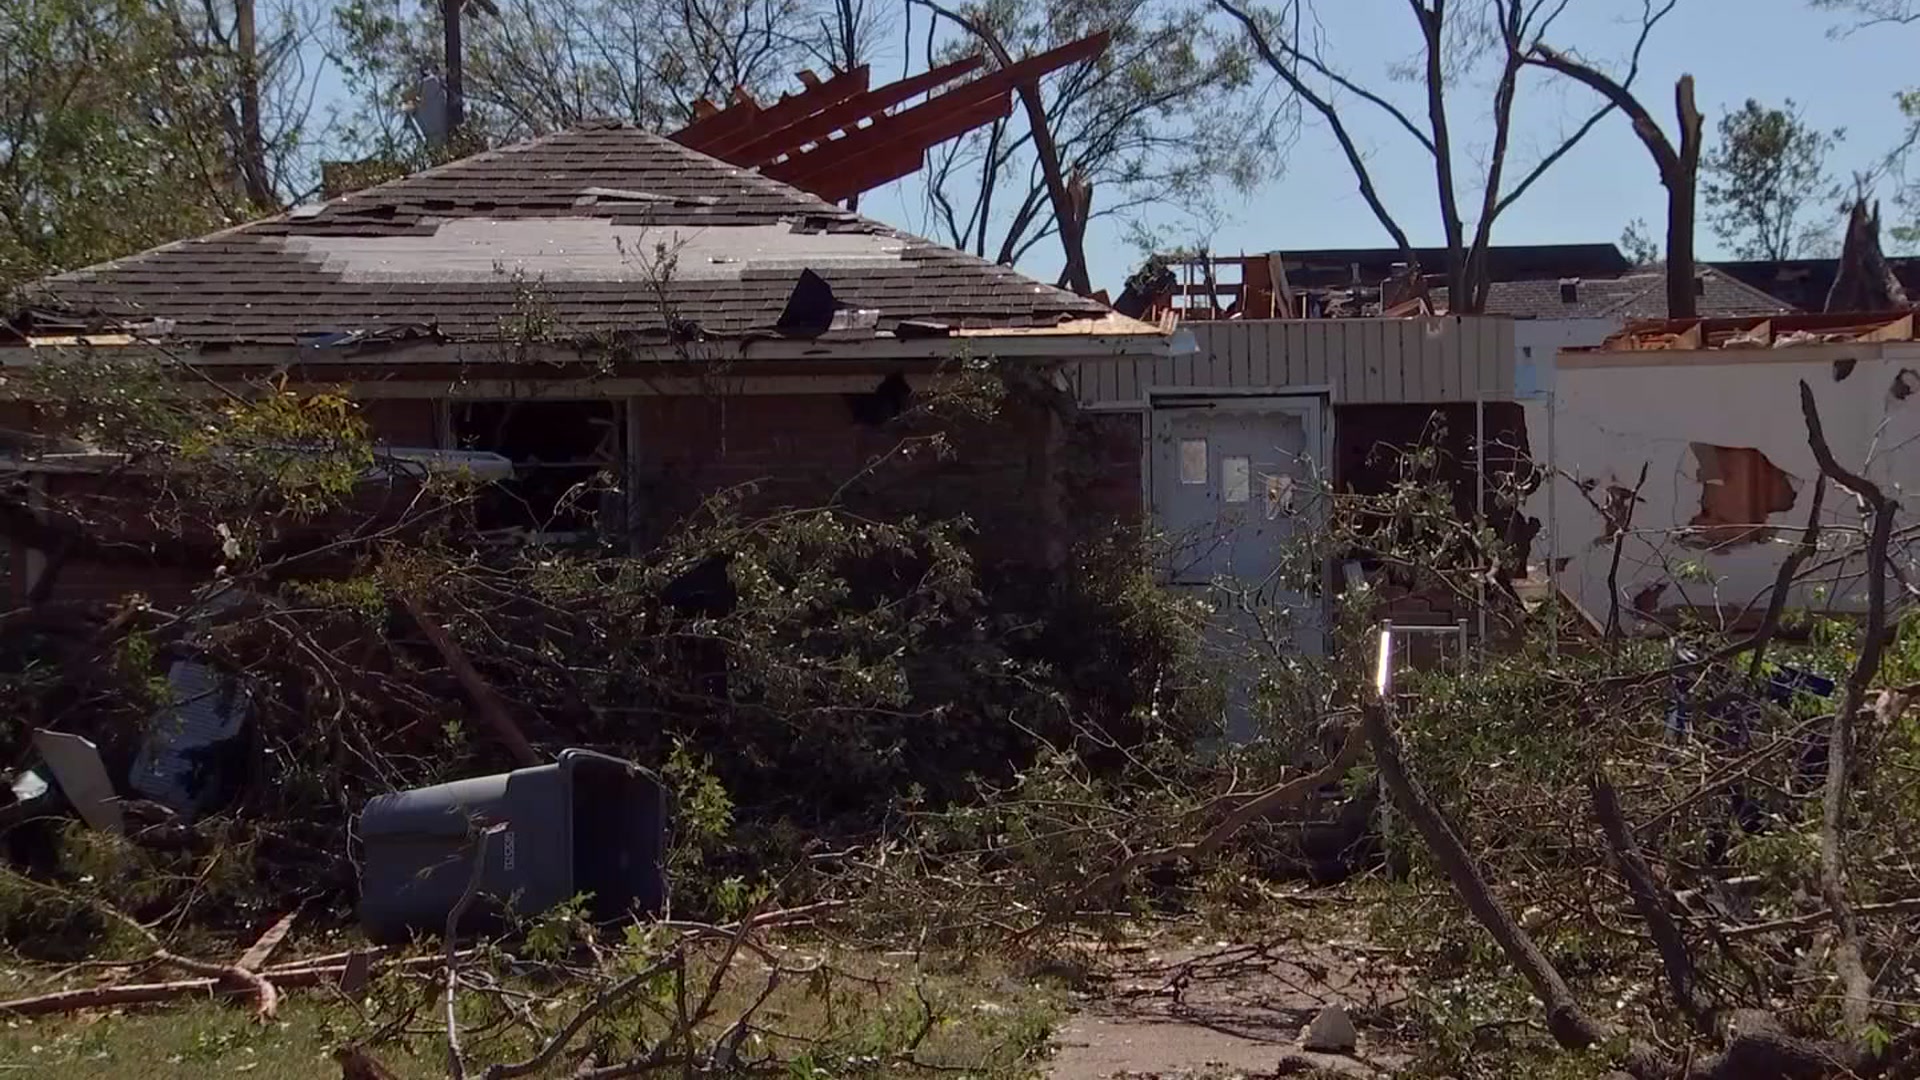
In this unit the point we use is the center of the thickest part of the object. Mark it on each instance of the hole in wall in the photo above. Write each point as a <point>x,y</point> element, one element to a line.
<point>1739,490</point>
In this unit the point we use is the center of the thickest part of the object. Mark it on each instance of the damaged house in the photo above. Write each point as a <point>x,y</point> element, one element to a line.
<point>601,302</point>
<point>1710,409</point>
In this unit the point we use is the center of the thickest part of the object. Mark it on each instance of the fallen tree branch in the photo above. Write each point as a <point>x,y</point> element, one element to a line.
<point>1283,794</point>
<point>1570,1025</point>
<point>581,1019</point>
<point>1907,906</point>
<point>1782,581</point>
<point>1620,526</point>
<point>456,1068</point>
<point>1856,984</point>
<point>485,699</point>
<point>1654,904</point>
<point>267,1000</point>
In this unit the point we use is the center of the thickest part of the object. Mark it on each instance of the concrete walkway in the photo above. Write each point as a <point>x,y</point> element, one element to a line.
<point>1227,1011</point>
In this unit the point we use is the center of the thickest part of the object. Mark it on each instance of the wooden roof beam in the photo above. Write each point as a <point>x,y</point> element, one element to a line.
<point>771,145</point>
<point>747,120</point>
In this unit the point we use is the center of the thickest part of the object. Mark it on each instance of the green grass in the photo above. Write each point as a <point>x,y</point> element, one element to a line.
<point>852,1024</point>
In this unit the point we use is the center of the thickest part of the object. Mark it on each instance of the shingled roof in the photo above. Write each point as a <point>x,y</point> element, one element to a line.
<point>568,229</point>
<point>1638,295</point>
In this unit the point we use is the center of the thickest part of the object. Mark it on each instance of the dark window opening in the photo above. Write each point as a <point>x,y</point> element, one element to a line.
<point>566,458</point>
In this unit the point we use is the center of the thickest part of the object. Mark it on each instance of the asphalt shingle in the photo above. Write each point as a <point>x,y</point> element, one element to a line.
<point>1633,296</point>
<point>570,224</point>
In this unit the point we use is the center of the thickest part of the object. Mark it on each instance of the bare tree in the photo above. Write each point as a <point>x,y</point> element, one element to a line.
<point>1869,13</point>
<point>1679,166</point>
<point>529,66</point>
<point>1452,40</point>
<point>1155,121</point>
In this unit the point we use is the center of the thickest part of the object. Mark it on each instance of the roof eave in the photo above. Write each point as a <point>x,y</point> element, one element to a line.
<point>1114,337</point>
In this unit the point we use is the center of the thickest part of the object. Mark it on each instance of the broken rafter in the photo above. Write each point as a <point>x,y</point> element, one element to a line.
<point>724,130</point>
<point>887,149</point>
<point>793,140</point>
<point>771,145</point>
<point>874,154</point>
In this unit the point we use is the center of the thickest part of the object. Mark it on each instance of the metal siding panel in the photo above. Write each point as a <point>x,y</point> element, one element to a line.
<point>1473,376</point>
<point>1294,356</point>
<point>1489,372</point>
<point>1219,368</point>
<point>1504,358</point>
<point>1353,333</point>
<point>1183,365</point>
<point>1491,360</point>
<point>1328,370</point>
<point>1447,370</point>
<point>1379,359</point>
<point>1325,343</point>
<point>1363,346</point>
<point>1245,341</point>
<point>1419,351</point>
<point>1394,367</point>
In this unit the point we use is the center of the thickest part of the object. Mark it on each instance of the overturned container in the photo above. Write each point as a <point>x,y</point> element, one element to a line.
<point>589,824</point>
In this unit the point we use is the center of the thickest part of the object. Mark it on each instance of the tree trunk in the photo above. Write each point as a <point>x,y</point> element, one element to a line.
<point>456,65</point>
<point>1679,169</point>
<point>252,150</point>
<point>1681,179</point>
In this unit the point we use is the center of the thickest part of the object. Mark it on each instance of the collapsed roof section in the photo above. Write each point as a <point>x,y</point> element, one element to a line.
<point>598,231</point>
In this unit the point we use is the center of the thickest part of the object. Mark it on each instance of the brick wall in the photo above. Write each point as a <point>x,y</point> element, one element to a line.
<point>801,450</point>
<point>805,449</point>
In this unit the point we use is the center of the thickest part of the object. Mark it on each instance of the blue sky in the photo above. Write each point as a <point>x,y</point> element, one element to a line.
<point>1735,49</point>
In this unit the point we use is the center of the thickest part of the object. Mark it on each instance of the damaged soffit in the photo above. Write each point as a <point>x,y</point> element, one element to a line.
<point>559,229</point>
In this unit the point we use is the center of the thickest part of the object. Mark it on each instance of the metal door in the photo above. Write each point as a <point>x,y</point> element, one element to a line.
<point>1234,480</point>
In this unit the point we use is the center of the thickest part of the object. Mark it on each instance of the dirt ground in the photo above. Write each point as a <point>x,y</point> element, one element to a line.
<point>1227,1011</point>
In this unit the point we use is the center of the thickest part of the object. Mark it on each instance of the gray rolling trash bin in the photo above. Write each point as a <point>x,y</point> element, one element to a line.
<point>588,823</point>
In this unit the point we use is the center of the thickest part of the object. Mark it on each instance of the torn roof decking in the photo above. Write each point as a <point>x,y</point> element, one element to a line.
<point>1772,332</point>
<point>564,231</point>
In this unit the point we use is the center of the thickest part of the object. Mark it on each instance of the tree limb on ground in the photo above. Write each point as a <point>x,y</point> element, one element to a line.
<point>485,699</point>
<point>1856,984</point>
<point>1278,796</point>
<point>1654,903</point>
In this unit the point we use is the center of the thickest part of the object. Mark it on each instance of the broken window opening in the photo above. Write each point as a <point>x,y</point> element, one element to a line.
<point>1739,490</point>
<point>566,466</point>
